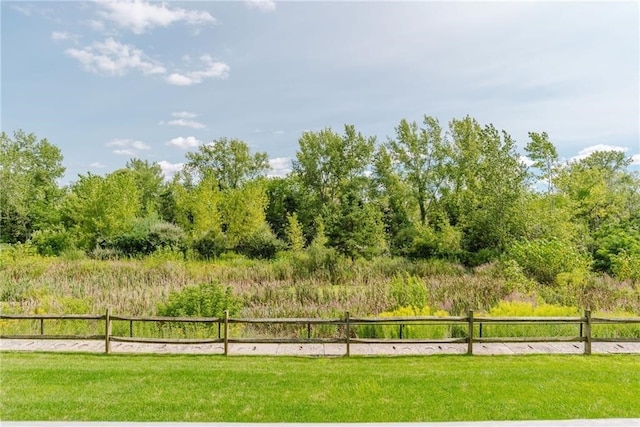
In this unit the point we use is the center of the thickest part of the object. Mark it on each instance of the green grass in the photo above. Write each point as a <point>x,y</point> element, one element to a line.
<point>45,386</point>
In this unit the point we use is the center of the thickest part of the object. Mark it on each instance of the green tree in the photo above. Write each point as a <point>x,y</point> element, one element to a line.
<point>544,156</point>
<point>294,234</point>
<point>392,196</point>
<point>30,196</point>
<point>327,163</point>
<point>229,160</point>
<point>243,212</point>
<point>150,182</point>
<point>100,208</point>
<point>601,189</point>
<point>283,199</point>
<point>486,187</point>
<point>331,170</point>
<point>420,157</point>
<point>198,207</point>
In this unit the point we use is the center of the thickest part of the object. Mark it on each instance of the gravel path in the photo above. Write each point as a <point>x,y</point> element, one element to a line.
<point>92,346</point>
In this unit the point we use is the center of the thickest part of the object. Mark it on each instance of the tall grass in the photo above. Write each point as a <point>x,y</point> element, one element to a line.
<point>34,284</point>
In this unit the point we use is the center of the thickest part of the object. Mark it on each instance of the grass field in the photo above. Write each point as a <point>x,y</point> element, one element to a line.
<point>82,387</point>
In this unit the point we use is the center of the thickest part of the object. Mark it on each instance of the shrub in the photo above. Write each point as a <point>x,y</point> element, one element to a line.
<point>146,236</point>
<point>544,259</point>
<point>262,244</point>
<point>526,309</point>
<point>211,245</point>
<point>52,242</point>
<point>203,300</point>
<point>408,291</point>
<point>436,331</point>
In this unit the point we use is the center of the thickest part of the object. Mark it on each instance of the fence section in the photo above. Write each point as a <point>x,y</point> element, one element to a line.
<point>461,329</point>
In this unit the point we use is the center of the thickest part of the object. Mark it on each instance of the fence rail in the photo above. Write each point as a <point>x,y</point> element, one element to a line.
<point>347,328</point>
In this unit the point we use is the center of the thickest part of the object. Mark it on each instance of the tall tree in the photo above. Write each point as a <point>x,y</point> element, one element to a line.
<point>392,195</point>
<point>30,196</point>
<point>487,183</point>
<point>327,163</point>
<point>150,182</point>
<point>101,208</point>
<point>544,156</point>
<point>229,161</point>
<point>420,157</point>
<point>332,172</point>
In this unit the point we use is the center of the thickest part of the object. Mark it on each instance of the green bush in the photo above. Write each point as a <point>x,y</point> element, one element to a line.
<point>408,291</point>
<point>203,300</point>
<point>211,245</point>
<point>527,309</point>
<point>544,259</point>
<point>52,242</point>
<point>146,236</point>
<point>417,331</point>
<point>262,244</point>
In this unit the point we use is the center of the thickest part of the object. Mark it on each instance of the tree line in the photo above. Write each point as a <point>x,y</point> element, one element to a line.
<point>460,193</point>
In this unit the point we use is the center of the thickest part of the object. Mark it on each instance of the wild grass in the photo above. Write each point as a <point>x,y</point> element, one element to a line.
<point>34,284</point>
<point>74,387</point>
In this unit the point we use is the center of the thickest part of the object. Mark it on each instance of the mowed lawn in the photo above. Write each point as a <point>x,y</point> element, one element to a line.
<point>46,386</point>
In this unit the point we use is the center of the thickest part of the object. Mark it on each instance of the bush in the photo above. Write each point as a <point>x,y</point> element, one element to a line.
<point>211,245</point>
<point>409,291</point>
<point>146,236</point>
<point>262,244</point>
<point>52,242</point>
<point>203,300</point>
<point>544,259</point>
<point>408,330</point>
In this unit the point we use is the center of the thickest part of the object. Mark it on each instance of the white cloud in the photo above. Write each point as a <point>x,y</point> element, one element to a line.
<point>278,132</point>
<point>127,146</point>
<point>184,115</point>
<point>526,161</point>
<point>114,58</point>
<point>280,166</point>
<point>635,159</point>
<point>140,16</point>
<point>586,152</point>
<point>184,143</point>
<point>97,165</point>
<point>263,5</point>
<point>95,24</point>
<point>186,123</point>
<point>212,69</point>
<point>170,169</point>
<point>25,10</point>
<point>63,35</point>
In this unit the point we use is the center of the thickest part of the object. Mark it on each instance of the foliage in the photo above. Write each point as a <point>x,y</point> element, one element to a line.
<point>211,245</point>
<point>408,291</point>
<point>420,157</point>
<point>544,259</point>
<point>145,236</point>
<point>228,161</point>
<point>30,197</point>
<point>544,156</point>
<point>52,241</point>
<point>101,208</point>
<point>407,330</point>
<point>203,300</point>
<point>295,237</point>
<point>262,244</point>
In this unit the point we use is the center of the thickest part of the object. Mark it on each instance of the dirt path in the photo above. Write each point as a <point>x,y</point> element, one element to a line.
<point>316,349</point>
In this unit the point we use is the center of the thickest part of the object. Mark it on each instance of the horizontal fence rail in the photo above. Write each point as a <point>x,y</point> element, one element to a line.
<point>472,329</point>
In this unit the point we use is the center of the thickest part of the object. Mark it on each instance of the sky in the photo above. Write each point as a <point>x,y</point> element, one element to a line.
<point>107,81</point>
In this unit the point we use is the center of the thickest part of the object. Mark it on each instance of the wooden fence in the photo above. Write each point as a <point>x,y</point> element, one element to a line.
<point>346,327</point>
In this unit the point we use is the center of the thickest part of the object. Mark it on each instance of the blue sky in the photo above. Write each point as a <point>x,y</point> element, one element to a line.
<point>107,81</point>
